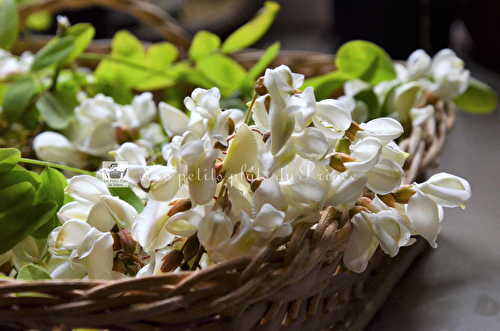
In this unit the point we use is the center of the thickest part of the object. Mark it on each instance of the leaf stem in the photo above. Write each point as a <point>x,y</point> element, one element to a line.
<point>58,166</point>
<point>249,111</point>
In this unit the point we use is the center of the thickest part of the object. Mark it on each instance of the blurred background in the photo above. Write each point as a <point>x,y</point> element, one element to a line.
<point>457,286</point>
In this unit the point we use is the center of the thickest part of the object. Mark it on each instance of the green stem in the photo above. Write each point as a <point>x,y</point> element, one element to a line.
<point>249,111</point>
<point>58,166</point>
<point>53,85</point>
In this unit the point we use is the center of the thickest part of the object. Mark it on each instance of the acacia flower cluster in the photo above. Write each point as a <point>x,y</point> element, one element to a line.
<point>228,188</point>
<point>419,84</point>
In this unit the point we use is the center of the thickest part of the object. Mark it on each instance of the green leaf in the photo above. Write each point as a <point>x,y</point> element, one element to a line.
<point>224,72</point>
<point>265,60</point>
<point>19,174</point>
<point>126,194</point>
<point>9,24</point>
<point>9,158</point>
<point>83,34</point>
<point>32,272</point>
<point>17,98</point>
<point>56,51</point>
<point>17,195</point>
<point>20,222</point>
<point>159,57</point>
<point>57,108</point>
<point>326,84</point>
<point>204,44</point>
<point>365,60</point>
<point>479,98</point>
<point>39,21</point>
<point>252,31</point>
<point>370,99</point>
<point>120,73</point>
<point>120,93</point>
<point>53,184</point>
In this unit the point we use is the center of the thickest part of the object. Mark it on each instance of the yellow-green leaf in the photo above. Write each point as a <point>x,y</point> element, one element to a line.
<point>17,98</point>
<point>32,272</point>
<point>252,31</point>
<point>56,51</point>
<point>204,43</point>
<point>224,72</point>
<point>9,24</point>
<point>479,98</point>
<point>366,61</point>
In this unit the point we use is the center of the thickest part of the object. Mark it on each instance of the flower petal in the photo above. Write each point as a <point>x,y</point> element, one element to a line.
<point>86,189</point>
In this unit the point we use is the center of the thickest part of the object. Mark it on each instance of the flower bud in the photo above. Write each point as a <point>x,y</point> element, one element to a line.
<point>118,265</point>
<point>179,205</point>
<point>404,194</point>
<point>267,103</point>
<point>190,247</point>
<point>172,260</point>
<point>219,174</point>
<point>125,134</point>
<point>231,126</point>
<point>337,161</point>
<point>353,129</point>
<point>254,184</point>
<point>388,199</point>
<point>342,146</point>
<point>116,241</point>
<point>431,97</point>
<point>126,241</point>
<point>260,89</point>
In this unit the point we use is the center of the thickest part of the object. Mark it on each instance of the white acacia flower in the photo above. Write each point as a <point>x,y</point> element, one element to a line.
<point>421,115</point>
<point>270,223</point>
<point>240,244</point>
<point>359,109</point>
<point>214,230</point>
<point>95,205</point>
<point>242,152</point>
<point>424,209</point>
<point>176,122</point>
<point>149,229</point>
<point>140,112</point>
<point>447,190</point>
<point>135,156</point>
<point>89,245</point>
<point>385,129</point>
<point>404,98</point>
<point>281,84</point>
<point>10,65</point>
<point>333,118</point>
<point>370,229</point>
<point>345,188</point>
<point>215,120</point>
<point>450,77</point>
<point>56,148</point>
<point>418,64</point>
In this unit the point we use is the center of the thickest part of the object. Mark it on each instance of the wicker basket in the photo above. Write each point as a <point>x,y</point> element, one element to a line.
<point>297,283</point>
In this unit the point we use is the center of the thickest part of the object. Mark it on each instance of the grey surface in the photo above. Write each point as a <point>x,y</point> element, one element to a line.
<point>455,287</point>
